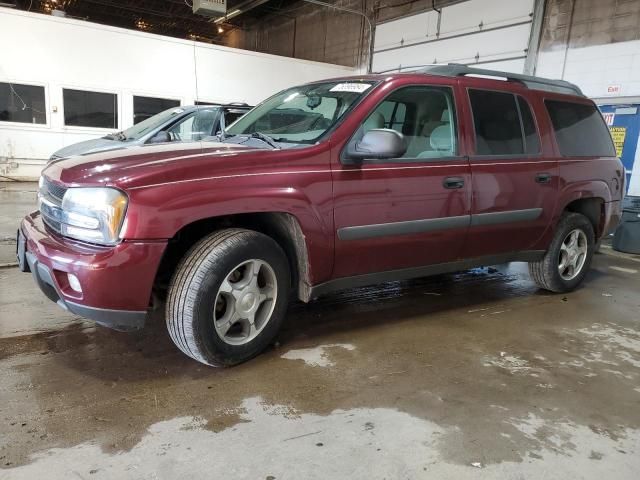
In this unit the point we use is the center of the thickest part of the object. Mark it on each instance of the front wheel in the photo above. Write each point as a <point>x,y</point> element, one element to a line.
<point>569,256</point>
<point>228,297</point>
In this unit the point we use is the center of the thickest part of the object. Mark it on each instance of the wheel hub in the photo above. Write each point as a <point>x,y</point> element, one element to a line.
<point>245,302</point>
<point>573,254</point>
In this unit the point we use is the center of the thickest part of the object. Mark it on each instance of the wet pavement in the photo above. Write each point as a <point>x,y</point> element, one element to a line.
<point>16,200</point>
<point>471,375</point>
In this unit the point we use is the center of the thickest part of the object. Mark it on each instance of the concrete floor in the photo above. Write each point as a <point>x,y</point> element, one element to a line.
<point>473,375</point>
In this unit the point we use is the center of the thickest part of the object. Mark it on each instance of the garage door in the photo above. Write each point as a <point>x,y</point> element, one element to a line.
<point>491,33</point>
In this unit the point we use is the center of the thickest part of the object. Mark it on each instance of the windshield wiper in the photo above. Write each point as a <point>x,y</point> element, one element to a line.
<point>117,135</point>
<point>265,138</point>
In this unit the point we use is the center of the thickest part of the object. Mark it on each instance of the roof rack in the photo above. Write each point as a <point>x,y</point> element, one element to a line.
<point>537,83</point>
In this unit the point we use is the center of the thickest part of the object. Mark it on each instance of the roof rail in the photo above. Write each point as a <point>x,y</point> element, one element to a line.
<point>537,83</point>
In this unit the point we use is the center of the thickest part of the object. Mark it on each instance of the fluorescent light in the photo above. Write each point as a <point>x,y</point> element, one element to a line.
<point>233,13</point>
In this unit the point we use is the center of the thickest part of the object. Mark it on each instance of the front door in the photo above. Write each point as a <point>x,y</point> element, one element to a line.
<point>410,211</point>
<point>514,185</point>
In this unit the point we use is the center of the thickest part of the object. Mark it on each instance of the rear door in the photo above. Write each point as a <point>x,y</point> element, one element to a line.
<point>410,211</point>
<point>514,172</point>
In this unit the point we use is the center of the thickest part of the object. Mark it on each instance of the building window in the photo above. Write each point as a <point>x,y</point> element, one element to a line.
<point>90,109</point>
<point>146,107</point>
<point>22,103</point>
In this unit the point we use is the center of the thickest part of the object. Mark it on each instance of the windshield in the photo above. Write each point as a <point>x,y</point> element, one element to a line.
<point>301,114</point>
<point>151,123</point>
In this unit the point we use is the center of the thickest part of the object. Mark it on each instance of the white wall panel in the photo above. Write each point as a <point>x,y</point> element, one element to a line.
<point>490,30</point>
<point>596,67</point>
<point>59,52</point>
<point>488,46</point>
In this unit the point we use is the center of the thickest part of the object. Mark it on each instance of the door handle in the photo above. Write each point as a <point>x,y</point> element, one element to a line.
<point>543,177</point>
<point>453,182</point>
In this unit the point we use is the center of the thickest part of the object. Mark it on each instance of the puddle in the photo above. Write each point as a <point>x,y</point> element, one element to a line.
<point>317,356</point>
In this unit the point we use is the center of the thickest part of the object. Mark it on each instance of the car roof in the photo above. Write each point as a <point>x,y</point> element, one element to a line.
<point>459,70</point>
<point>237,105</point>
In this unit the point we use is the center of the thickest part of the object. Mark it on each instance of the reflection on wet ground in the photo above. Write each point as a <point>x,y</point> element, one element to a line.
<point>443,375</point>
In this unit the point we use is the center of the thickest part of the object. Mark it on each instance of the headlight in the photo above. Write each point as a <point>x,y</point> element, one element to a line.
<point>93,214</point>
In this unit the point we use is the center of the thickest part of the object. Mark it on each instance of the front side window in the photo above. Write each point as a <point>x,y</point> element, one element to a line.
<point>424,115</point>
<point>231,115</point>
<point>196,126</point>
<point>22,103</point>
<point>580,130</point>
<point>301,115</point>
<point>147,126</point>
<point>90,109</point>
<point>147,107</point>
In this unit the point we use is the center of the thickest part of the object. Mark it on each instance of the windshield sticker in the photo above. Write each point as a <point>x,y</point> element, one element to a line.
<point>350,87</point>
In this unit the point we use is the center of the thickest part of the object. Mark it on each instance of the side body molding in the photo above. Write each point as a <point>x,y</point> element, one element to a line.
<point>361,232</point>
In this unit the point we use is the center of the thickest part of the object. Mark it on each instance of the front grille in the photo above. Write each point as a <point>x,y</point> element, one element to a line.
<point>55,191</point>
<point>51,195</point>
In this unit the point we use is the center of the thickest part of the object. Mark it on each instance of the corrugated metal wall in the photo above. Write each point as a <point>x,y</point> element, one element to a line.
<point>314,32</point>
<point>584,23</point>
<point>308,31</point>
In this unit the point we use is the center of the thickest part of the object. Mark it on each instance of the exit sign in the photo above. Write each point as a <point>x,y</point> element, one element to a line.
<point>210,8</point>
<point>613,90</point>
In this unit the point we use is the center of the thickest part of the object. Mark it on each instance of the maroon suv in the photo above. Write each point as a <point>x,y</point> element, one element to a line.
<point>326,186</point>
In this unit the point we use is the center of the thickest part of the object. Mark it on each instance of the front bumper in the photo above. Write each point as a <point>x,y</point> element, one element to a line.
<point>116,281</point>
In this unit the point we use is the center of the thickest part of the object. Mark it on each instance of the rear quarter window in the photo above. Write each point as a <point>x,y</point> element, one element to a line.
<point>580,130</point>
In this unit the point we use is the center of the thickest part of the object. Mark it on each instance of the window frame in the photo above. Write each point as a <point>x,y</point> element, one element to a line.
<point>344,160</point>
<point>78,128</point>
<point>21,125</point>
<point>515,95</point>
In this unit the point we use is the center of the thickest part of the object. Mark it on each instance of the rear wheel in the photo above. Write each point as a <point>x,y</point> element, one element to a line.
<point>228,297</point>
<point>569,256</point>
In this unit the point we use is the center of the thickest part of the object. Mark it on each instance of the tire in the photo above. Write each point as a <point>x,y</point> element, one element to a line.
<point>202,303</point>
<point>546,272</point>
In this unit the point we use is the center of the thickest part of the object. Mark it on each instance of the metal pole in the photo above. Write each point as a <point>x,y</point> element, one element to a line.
<point>531,60</point>
<point>355,12</point>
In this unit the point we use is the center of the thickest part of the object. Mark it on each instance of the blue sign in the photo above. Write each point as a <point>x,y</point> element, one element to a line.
<point>624,123</point>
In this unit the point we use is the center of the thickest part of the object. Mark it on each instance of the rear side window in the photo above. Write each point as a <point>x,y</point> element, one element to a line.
<point>580,130</point>
<point>531,139</point>
<point>503,124</point>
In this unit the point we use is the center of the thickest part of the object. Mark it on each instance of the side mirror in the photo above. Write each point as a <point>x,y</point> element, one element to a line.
<point>160,137</point>
<point>378,143</point>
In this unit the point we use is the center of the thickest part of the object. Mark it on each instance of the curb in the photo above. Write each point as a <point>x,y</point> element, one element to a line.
<point>608,250</point>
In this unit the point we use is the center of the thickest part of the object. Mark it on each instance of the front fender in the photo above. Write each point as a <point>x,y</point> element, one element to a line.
<point>160,211</point>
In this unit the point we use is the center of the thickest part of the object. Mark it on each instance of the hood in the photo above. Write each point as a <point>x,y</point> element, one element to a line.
<point>151,164</point>
<point>90,146</point>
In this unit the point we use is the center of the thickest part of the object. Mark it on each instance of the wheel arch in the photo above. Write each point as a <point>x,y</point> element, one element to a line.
<point>592,208</point>
<point>282,227</point>
<point>589,199</point>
